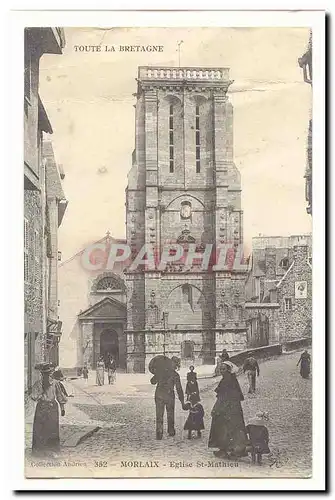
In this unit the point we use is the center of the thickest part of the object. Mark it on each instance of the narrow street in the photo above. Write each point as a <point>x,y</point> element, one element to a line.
<point>127,430</point>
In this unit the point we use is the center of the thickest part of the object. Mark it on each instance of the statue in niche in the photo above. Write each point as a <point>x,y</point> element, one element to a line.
<point>224,307</point>
<point>153,316</point>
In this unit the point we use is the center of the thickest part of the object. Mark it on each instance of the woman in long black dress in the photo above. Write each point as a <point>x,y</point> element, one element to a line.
<point>192,387</point>
<point>49,396</point>
<point>228,428</point>
<point>305,364</point>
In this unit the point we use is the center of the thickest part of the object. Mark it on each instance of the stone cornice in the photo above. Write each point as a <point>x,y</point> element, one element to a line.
<point>189,86</point>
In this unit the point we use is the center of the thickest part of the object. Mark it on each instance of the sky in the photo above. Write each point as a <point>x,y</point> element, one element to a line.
<point>89,100</point>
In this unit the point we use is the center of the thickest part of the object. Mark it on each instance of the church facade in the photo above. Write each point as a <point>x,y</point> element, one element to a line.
<point>184,189</point>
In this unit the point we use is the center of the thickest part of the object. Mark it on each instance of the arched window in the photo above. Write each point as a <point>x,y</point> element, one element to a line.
<point>108,283</point>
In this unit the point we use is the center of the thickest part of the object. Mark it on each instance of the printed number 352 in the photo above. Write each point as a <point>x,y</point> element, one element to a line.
<point>100,463</point>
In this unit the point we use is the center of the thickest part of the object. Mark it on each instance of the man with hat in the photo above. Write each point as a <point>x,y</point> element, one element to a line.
<point>167,380</point>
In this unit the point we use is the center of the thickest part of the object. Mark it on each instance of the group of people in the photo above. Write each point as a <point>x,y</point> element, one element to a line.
<point>109,365</point>
<point>228,432</point>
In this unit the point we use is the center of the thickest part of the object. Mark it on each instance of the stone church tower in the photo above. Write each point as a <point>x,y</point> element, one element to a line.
<point>183,188</point>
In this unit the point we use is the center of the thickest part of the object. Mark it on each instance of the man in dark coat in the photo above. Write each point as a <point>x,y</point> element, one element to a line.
<point>250,367</point>
<point>167,380</point>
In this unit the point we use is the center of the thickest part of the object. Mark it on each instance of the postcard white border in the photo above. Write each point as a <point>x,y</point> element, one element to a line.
<point>12,205</point>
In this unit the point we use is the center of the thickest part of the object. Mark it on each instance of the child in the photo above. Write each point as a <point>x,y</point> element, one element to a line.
<point>85,373</point>
<point>258,436</point>
<point>58,375</point>
<point>195,419</point>
<point>192,387</point>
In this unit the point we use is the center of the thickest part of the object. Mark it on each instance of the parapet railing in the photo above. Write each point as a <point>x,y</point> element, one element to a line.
<point>187,73</point>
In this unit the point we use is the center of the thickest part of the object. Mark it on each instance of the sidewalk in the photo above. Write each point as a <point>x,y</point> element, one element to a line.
<point>74,426</point>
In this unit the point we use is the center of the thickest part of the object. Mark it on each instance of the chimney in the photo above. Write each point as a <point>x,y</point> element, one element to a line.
<point>270,263</point>
<point>300,252</point>
<point>273,295</point>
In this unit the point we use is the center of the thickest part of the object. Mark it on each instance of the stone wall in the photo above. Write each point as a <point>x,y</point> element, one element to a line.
<point>296,322</point>
<point>33,287</point>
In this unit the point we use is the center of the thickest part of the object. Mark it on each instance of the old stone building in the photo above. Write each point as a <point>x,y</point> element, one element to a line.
<point>42,209</point>
<point>183,188</point>
<point>55,206</point>
<point>92,307</point>
<point>279,290</point>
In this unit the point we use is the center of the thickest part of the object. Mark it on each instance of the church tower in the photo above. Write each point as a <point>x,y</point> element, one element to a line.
<point>183,188</point>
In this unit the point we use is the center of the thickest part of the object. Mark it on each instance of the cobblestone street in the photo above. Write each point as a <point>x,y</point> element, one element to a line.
<point>127,430</point>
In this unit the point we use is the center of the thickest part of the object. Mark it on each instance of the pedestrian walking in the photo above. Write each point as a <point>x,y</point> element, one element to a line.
<point>305,364</point>
<point>100,371</point>
<point>192,387</point>
<point>111,370</point>
<point>227,428</point>
<point>49,396</point>
<point>195,419</point>
<point>85,373</point>
<point>167,380</point>
<point>258,436</point>
<point>251,367</point>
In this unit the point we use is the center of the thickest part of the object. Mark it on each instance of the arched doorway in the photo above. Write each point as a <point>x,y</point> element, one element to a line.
<point>187,350</point>
<point>109,345</point>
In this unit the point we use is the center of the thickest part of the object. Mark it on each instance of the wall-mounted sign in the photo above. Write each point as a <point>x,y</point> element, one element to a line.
<point>301,289</point>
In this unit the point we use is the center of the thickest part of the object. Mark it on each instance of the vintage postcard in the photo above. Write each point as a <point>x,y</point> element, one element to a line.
<point>168,270</point>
